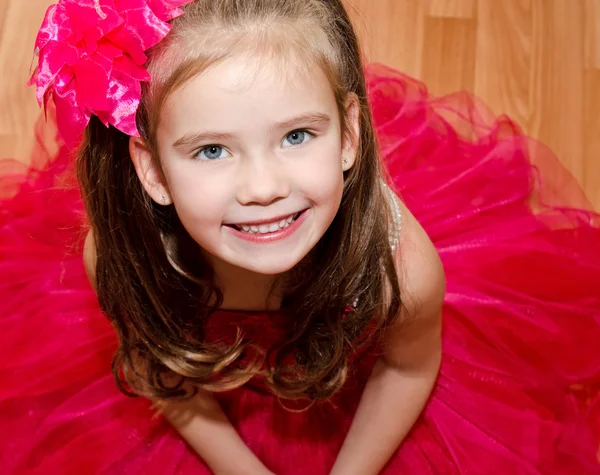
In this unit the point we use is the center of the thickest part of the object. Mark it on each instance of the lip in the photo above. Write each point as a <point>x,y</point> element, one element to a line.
<point>271,237</point>
<point>276,219</point>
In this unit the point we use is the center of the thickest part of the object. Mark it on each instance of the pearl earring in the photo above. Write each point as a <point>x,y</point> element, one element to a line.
<point>163,198</point>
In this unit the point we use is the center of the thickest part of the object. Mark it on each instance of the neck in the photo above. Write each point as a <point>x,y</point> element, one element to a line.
<point>246,290</point>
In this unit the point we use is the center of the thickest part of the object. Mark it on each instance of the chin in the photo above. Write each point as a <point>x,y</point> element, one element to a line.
<point>269,268</point>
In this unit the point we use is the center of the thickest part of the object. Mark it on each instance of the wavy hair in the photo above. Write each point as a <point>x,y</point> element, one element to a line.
<point>152,281</point>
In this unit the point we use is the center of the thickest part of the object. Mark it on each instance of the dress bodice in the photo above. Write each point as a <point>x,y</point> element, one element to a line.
<point>264,328</point>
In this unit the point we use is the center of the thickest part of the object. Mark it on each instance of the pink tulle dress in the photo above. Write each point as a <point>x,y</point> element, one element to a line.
<point>519,386</point>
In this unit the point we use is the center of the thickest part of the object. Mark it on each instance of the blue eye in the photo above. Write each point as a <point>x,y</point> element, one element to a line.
<point>298,137</point>
<point>209,153</point>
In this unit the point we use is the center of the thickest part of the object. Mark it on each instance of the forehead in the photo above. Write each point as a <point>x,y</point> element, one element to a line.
<point>269,88</point>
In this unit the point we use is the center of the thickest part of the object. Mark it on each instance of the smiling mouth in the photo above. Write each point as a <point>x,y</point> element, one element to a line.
<point>266,228</point>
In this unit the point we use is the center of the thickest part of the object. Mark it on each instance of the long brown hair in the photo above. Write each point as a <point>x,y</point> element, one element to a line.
<point>152,281</point>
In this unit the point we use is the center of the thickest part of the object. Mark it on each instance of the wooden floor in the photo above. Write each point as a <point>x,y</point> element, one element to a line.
<point>536,60</point>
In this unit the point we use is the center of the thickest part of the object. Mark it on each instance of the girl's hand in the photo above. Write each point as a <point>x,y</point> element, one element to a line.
<point>259,470</point>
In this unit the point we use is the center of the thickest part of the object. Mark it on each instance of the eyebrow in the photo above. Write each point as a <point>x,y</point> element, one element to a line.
<point>311,118</point>
<point>308,119</point>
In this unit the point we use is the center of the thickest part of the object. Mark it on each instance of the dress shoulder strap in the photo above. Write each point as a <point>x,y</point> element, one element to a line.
<point>396,227</point>
<point>394,202</point>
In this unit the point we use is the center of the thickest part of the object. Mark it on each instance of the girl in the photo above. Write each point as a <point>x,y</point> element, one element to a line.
<point>271,296</point>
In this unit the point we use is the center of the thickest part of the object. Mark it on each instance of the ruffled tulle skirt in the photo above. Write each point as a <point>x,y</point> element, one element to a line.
<point>519,389</point>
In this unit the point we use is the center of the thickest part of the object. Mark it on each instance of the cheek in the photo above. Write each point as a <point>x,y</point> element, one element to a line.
<point>323,179</point>
<point>197,199</point>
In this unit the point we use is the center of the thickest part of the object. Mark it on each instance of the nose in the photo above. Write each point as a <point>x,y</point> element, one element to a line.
<point>262,181</point>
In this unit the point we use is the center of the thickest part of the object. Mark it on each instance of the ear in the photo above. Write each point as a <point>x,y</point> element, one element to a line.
<point>149,172</point>
<point>351,139</point>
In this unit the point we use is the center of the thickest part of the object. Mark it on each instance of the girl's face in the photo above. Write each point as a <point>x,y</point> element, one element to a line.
<point>244,149</point>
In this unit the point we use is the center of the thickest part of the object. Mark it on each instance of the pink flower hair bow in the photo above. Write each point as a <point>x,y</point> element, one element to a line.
<point>91,57</point>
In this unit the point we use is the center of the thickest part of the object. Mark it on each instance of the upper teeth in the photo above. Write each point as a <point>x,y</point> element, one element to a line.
<point>268,227</point>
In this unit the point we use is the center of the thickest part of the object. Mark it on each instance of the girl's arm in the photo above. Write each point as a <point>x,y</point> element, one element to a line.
<point>200,420</point>
<point>204,425</point>
<point>404,376</point>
